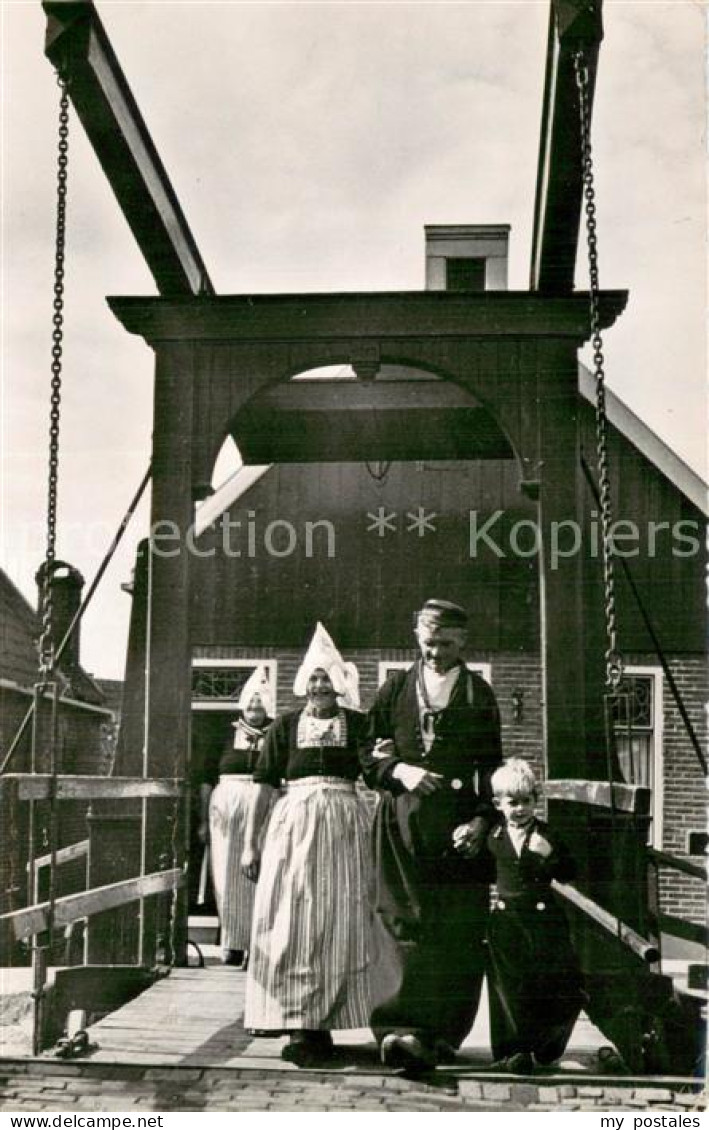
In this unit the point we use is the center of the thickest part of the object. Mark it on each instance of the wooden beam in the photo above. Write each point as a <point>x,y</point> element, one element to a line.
<point>608,922</point>
<point>65,700</point>
<point>559,193</point>
<point>63,855</point>
<point>272,436</point>
<point>626,798</point>
<point>677,863</point>
<point>38,786</point>
<point>364,396</point>
<point>78,46</point>
<point>695,932</point>
<point>385,317</point>
<point>168,667</point>
<point>35,919</point>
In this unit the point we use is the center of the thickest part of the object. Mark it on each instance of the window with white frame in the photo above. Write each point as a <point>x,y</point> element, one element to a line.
<point>387,666</point>
<point>217,683</point>
<point>638,738</point>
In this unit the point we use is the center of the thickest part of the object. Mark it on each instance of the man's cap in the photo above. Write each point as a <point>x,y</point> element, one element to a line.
<point>444,614</point>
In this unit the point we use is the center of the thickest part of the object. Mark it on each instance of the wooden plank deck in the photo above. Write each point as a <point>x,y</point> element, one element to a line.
<point>194,1017</point>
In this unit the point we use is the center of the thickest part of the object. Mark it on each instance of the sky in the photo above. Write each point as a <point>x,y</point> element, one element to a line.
<point>309,143</point>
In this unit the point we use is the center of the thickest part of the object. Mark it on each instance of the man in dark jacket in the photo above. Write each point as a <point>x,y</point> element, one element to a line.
<point>433,744</point>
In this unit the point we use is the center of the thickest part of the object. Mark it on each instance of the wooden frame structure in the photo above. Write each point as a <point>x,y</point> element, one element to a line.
<point>509,360</point>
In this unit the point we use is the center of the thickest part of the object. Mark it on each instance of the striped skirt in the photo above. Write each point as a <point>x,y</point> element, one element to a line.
<point>228,810</point>
<point>310,944</point>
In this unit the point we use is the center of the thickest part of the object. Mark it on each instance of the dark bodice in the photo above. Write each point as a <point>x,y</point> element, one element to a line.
<point>282,759</point>
<point>213,750</point>
<point>241,760</point>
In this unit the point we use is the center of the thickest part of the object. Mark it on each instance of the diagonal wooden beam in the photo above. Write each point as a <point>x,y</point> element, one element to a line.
<point>697,870</point>
<point>624,934</point>
<point>79,850</point>
<point>78,46</point>
<point>559,194</point>
<point>70,908</point>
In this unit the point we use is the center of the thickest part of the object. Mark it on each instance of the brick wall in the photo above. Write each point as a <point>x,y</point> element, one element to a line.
<point>685,797</point>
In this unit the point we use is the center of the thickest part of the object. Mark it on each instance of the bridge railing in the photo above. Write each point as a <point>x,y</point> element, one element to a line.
<point>671,924</point>
<point>32,920</point>
<point>631,801</point>
<point>40,918</point>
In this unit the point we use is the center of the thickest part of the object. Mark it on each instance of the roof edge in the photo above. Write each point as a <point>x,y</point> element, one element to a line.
<point>227,494</point>
<point>648,443</point>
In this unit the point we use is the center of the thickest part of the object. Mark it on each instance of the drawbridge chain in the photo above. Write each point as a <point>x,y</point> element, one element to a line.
<point>614,662</point>
<point>614,699</point>
<point>42,943</point>
<point>46,644</point>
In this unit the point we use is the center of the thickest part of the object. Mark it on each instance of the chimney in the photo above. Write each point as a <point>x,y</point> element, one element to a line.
<point>470,257</point>
<point>67,583</point>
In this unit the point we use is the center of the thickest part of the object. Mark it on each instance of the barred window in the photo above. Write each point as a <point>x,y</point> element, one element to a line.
<point>220,684</point>
<point>637,724</point>
<point>639,692</point>
<point>633,723</point>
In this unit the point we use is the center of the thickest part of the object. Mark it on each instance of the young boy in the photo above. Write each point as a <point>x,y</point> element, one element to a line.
<point>535,980</point>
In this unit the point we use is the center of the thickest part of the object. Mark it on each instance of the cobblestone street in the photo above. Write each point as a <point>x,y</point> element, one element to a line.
<point>85,1087</point>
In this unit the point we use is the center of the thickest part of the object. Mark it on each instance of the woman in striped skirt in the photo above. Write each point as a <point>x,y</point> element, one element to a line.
<point>229,806</point>
<point>310,942</point>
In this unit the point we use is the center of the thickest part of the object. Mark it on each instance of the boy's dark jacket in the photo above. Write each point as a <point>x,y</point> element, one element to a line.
<point>528,873</point>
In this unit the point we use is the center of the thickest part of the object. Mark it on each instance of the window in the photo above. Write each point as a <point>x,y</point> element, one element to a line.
<point>386,666</point>
<point>638,737</point>
<point>465,274</point>
<point>217,683</point>
<point>697,843</point>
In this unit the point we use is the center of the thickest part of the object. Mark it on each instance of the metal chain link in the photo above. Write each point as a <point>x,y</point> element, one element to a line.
<point>46,643</point>
<point>614,661</point>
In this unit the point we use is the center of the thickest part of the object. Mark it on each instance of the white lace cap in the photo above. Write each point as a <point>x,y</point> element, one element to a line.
<point>322,653</point>
<point>258,684</point>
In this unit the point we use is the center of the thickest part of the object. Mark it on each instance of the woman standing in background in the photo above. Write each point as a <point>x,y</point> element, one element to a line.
<point>225,814</point>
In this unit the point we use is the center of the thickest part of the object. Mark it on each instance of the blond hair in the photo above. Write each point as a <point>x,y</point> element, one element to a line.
<point>514,778</point>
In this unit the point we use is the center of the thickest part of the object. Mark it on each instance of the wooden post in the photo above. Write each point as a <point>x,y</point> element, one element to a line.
<point>605,845</point>
<point>573,703</point>
<point>168,653</point>
<point>572,691</point>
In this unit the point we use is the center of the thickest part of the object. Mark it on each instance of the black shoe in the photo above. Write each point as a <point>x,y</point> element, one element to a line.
<point>445,1052</point>
<point>308,1048</point>
<point>233,957</point>
<point>611,1062</point>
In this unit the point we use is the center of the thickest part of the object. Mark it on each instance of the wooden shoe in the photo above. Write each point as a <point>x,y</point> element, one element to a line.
<point>521,1063</point>
<point>406,1053</point>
